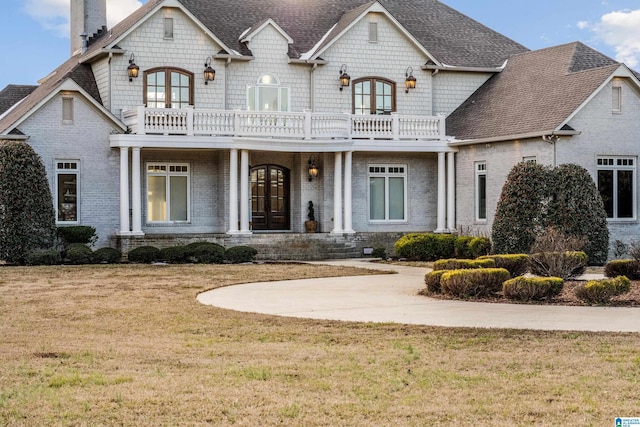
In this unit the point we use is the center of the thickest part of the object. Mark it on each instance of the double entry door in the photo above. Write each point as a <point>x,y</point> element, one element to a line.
<point>270,198</point>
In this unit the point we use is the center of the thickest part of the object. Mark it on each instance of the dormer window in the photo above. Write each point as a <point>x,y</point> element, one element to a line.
<point>168,28</point>
<point>268,95</point>
<point>373,32</point>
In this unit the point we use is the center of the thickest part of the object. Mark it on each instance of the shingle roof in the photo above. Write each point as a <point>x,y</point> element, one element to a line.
<point>453,38</point>
<point>536,92</point>
<point>80,73</point>
<point>12,94</point>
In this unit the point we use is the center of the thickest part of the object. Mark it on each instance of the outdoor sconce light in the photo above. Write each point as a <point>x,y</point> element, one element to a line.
<point>344,77</point>
<point>410,81</point>
<point>132,69</point>
<point>209,73</point>
<point>313,168</point>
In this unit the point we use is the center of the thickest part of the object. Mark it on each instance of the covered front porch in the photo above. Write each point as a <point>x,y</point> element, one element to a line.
<point>387,137</point>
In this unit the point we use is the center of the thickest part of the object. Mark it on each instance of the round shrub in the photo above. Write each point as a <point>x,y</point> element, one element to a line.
<point>461,247</point>
<point>77,234</point>
<point>78,254</point>
<point>516,264</point>
<point>144,254</point>
<point>601,291</point>
<point>240,254</point>
<point>174,254</point>
<point>566,264</point>
<point>479,246</point>
<point>623,267</point>
<point>475,282</point>
<point>379,253</point>
<point>425,246</point>
<point>432,281</point>
<point>205,252</point>
<point>462,264</point>
<point>107,256</point>
<point>532,288</point>
<point>44,258</point>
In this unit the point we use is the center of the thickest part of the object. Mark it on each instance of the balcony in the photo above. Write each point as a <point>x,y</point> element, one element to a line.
<point>282,125</point>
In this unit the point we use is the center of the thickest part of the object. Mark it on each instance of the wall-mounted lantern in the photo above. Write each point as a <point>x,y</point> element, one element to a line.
<point>313,168</point>
<point>410,81</point>
<point>132,69</point>
<point>209,73</point>
<point>345,78</point>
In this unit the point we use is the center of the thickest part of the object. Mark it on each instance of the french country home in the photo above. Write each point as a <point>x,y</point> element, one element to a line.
<point>216,120</point>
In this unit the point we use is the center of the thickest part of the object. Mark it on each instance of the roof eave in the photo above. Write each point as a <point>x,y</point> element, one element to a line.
<point>529,135</point>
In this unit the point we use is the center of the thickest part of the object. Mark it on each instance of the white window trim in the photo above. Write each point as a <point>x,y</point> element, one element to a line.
<point>67,171</point>
<point>168,174</point>
<point>616,98</point>
<point>616,167</point>
<point>168,24</point>
<point>373,32</point>
<point>256,100</point>
<point>68,120</point>
<point>387,175</point>
<point>480,169</point>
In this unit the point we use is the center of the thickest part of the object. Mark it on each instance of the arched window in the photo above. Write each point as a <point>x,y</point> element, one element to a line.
<point>267,95</point>
<point>168,88</point>
<point>374,95</point>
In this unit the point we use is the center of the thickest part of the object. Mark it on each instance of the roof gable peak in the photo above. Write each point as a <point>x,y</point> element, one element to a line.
<point>246,36</point>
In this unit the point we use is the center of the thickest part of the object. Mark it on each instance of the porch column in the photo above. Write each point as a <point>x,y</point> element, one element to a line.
<point>244,192</point>
<point>348,206</point>
<point>233,192</point>
<point>442,195</point>
<point>337,194</point>
<point>124,192</point>
<point>136,193</point>
<point>451,192</point>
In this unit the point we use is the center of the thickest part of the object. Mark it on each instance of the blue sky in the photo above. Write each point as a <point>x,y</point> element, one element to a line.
<point>34,33</point>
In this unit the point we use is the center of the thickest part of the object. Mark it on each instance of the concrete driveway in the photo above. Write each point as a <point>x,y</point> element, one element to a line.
<point>394,298</point>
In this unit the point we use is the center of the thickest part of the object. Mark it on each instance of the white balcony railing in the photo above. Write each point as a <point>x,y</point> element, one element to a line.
<point>305,125</point>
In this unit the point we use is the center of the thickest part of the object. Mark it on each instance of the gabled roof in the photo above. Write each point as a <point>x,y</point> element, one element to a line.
<point>536,92</point>
<point>81,74</point>
<point>13,94</point>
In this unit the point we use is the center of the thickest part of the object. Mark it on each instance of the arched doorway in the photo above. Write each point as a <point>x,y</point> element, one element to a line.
<point>270,198</point>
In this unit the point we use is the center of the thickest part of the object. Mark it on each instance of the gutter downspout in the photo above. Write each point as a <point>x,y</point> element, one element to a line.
<point>552,139</point>
<point>109,83</point>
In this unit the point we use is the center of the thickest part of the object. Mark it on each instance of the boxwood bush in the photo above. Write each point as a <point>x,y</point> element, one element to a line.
<point>240,254</point>
<point>78,254</point>
<point>174,254</point>
<point>51,257</point>
<point>479,246</point>
<point>474,282</point>
<point>205,253</point>
<point>532,288</point>
<point>77,234</point>
<point>432,281</point>
<point>144,254</point>
<point>461,264</point>
<point>425,246</point>
<point>601,291</point>
<point>623,267</point>
<point>107,256</point>
<point>517,264</point>
<point>461,247</point>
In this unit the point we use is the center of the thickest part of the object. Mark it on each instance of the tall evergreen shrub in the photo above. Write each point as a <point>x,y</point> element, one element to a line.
<point>27,216</point>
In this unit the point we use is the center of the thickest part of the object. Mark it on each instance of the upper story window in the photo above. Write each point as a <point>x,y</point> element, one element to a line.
<point>268,95</point>
<point>373,32</point>
<point>168,28</point>
<point>374,95</point>
<point>616,183</point>
<point>168,88</point>
<point>616,98</point>
<point>67,110</point>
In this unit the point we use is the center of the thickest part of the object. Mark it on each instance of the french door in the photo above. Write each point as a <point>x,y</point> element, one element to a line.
<point>270,198</point>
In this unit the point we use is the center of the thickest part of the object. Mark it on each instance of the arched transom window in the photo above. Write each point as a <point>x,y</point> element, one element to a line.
<point>267,95</point>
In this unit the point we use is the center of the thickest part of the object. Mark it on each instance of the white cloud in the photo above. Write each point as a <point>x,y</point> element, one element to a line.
<point>621,30</point>
<point>53,15</point>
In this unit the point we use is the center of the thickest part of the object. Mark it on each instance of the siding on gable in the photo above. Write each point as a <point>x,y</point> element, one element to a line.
<point>101,73</point>
<point>450,89</point>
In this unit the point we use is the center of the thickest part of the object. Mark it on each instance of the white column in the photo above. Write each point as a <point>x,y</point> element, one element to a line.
<point>244,192</point>
<point>136,193</point>
<point>348,205</point>
<point>451,192</point>
<point>442,195</point>
<point>337,194</point>
<point>233,192</point>
<point>124,191</point>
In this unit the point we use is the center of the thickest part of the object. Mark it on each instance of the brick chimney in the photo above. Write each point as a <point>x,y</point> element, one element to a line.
<point>87,18</point>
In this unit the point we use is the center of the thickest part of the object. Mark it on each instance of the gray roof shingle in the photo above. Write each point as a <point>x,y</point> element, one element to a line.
<point>12,94</point>
<point>536,92</point>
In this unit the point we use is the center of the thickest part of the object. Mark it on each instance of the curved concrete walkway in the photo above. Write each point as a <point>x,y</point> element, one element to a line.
<point>394,298</point>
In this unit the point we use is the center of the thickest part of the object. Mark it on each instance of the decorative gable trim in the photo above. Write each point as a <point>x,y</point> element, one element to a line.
<point>68,85</point>
<point>333,35</point>
<point>254,30</point>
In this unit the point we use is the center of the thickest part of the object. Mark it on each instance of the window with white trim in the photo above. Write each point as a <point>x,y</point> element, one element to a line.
<point>168,28</point>
<point>268,95</point>
<point>168,192</point>
<point>66,194</point>
<point>616,98</point>
<point>481,191</point>
<point>617,186</point>
<point>387,192</point>
<point>373,32</point>
<point>67,110</point>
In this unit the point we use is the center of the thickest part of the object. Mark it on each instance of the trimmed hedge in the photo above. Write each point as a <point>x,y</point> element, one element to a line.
<point>462,264</point>
<point>78,254</point>
<point>174,254</point>
<point>240,254</point>
<point>517,264</point>
<point>425,246</point>
<point>461,247</point>
<point>107,256</point>
<point>205,252</point>
<point>144,254</point>
<point>623,267</point>
<point>51,257</point>
<point>474,282</point>
<point>479,246</point>
<point>432,281</point>
<point>601,291</point>
<point>379,253</point>
<point>532,288</point>
<point>77,234</point>
<point>558,264</point>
